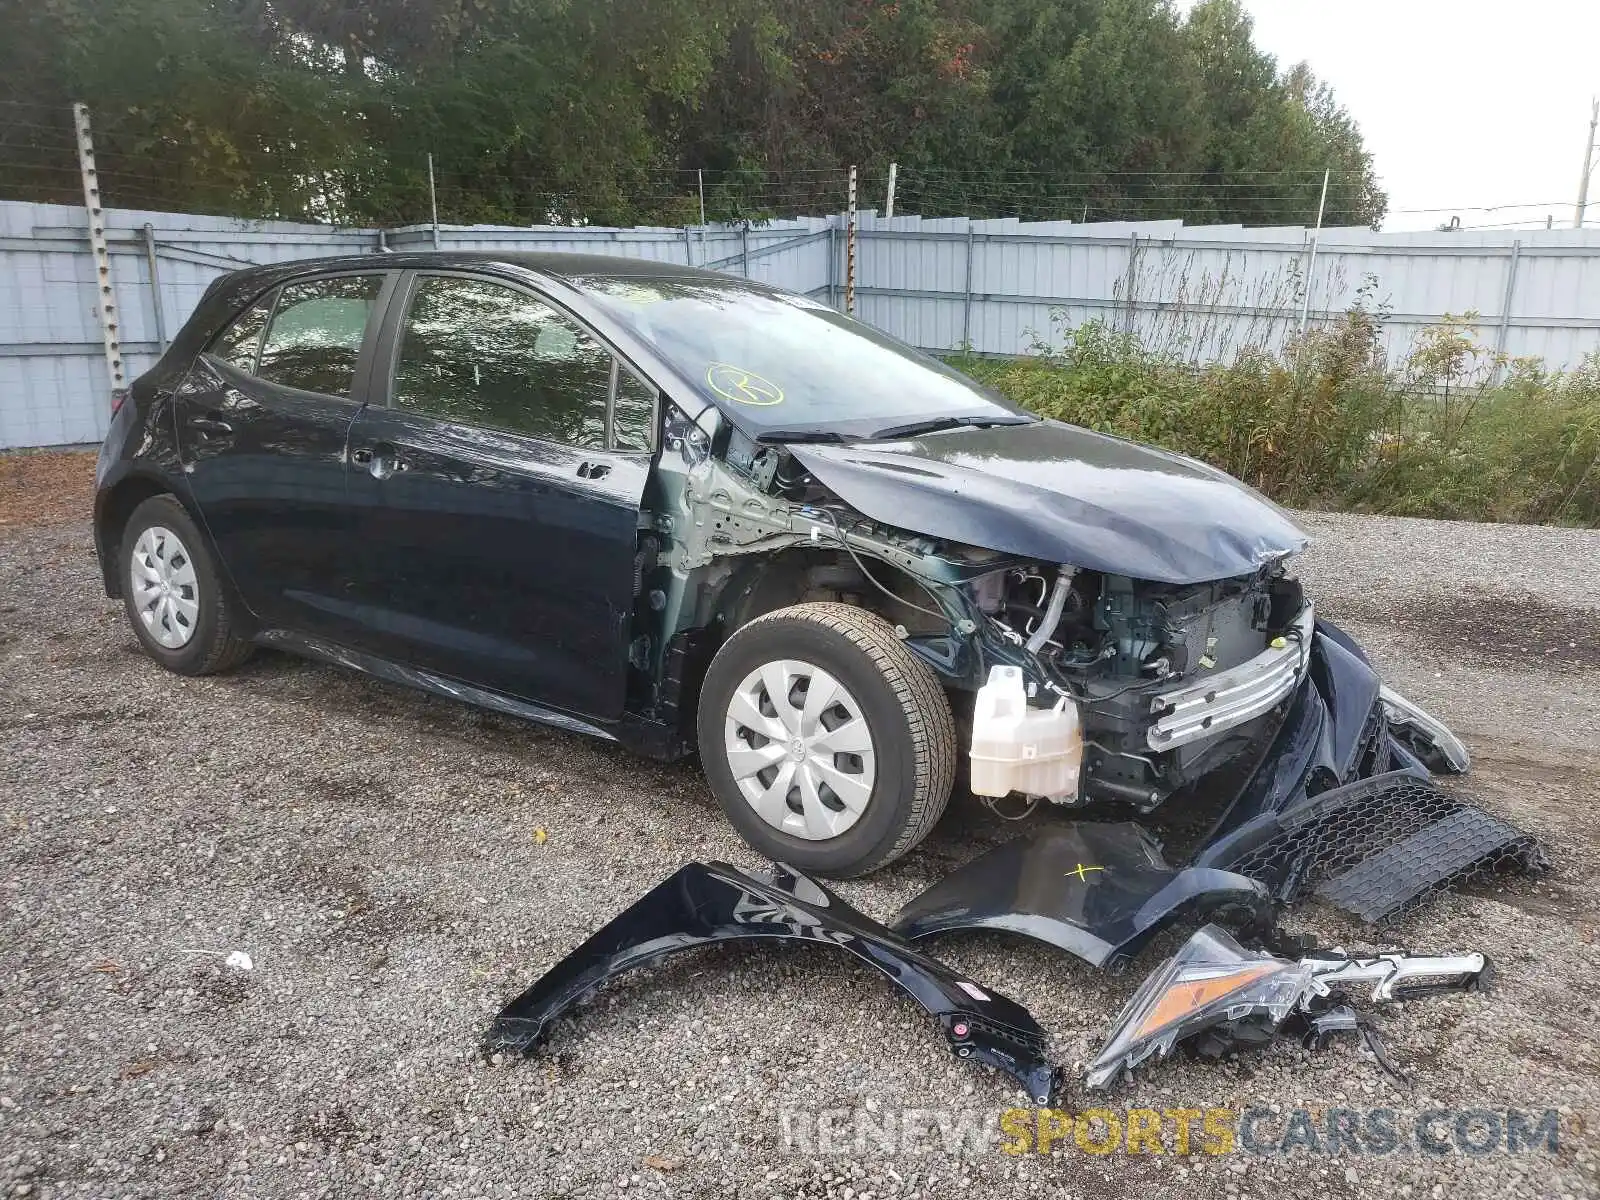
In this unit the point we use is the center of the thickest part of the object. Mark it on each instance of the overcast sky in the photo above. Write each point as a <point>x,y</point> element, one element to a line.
<point>1465,104</point>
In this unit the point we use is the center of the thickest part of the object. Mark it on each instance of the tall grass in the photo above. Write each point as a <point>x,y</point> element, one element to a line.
<point>1325,422</point>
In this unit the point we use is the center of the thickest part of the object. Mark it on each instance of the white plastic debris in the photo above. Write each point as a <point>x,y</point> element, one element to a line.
<point>238,961</point>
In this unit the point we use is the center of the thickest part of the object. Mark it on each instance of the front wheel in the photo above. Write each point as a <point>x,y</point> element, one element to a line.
<point>829,743</point>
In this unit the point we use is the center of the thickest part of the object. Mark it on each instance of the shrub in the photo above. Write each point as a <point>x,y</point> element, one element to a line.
<point>1452,431</point>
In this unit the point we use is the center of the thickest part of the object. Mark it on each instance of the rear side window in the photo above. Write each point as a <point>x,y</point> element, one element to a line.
<point>316,334</point>
<point>481,353</point>
<point>239,342</point>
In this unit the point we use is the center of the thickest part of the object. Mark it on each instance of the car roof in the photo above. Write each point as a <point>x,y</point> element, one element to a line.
<point>569,268</point>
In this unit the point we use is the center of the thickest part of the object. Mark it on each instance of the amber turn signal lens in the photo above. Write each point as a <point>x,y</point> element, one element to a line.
<point>1185,997</point>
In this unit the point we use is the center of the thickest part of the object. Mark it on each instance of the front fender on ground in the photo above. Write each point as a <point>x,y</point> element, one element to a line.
<point>703,904</point>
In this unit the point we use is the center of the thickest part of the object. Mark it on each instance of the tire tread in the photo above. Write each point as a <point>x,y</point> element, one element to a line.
<point>927,712</point>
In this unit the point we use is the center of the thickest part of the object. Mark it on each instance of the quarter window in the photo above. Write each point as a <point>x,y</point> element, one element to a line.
<point>635,413</point>
<point>481,353</point>
<point>316,334</point>
<point>239,342</point>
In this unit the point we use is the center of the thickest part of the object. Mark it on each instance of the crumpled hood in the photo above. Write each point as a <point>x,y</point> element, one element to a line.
<point>1062,494</point>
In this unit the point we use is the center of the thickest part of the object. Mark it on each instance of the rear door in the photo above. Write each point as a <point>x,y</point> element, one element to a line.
<point>497,494</point>
<point>262,423</point>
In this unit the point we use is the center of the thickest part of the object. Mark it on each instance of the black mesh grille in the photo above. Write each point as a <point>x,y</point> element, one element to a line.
<point>1381,846</point>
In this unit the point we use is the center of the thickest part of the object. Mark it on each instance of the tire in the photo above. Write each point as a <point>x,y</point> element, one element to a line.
<point>878,687</point>
<point>189,626</point>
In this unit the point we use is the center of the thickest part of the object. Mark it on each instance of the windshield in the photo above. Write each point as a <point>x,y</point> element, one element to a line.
<point>782,365</point>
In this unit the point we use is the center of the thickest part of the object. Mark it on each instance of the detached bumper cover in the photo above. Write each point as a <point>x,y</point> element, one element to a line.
<point>1337,800</point>
<point>703,904</point>
<point>1424,735</point>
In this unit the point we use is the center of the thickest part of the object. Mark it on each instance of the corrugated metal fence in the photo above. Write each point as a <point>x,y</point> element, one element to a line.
<point>994,286</point>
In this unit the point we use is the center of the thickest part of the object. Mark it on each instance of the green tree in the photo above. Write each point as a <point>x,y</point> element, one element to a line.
<point>606,110</point>
<point>1256,119</point>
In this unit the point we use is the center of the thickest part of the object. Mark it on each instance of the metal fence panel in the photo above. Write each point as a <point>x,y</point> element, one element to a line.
<point>995,286</point>
<point>52,373</point>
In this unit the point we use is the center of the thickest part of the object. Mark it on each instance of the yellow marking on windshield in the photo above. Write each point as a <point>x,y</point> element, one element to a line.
<point>741,386</point>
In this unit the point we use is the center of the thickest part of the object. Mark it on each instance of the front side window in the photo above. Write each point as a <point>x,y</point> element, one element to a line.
<point>238,343</point>
<point>481,353</point>
<point>316,334</point>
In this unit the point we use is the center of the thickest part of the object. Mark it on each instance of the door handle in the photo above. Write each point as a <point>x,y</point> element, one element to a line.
<point>593,470</point>
<point>211,425</point>
<point>362,456</point>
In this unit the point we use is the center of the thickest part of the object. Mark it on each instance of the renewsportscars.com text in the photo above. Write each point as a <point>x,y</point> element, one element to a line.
<point>1212,1131</point>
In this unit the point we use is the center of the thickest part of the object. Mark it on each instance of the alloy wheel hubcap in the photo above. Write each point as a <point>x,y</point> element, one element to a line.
<point>800,750</point>
<point>164,588</point>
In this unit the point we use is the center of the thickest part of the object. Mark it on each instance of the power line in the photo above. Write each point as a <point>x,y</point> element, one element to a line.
<point>1487,208</point>
<point>35,161</point>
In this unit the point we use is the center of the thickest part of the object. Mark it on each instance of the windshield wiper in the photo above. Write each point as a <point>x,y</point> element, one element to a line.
<point>910,429</point>
<point>801,436</point>
<point>935,424</point>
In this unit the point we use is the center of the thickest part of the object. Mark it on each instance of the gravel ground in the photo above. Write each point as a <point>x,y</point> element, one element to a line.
<point>45,486</point>
<point>397,866</point>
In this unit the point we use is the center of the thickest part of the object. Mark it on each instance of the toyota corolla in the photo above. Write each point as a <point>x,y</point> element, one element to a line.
<point>695,514</point>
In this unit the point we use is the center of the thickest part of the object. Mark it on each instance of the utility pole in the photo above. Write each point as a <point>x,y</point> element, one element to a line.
<point>433,203</point>
<point>888,201</point>
<point>105,293</point>
<point>1311,265</point>
<point>850,250</point>
<point>1588,164</point>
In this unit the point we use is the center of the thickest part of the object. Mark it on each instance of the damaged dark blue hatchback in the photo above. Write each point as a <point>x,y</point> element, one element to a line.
<point>689,512</point>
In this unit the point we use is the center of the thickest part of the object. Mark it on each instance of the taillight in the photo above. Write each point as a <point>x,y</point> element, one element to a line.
<point>119,397</point>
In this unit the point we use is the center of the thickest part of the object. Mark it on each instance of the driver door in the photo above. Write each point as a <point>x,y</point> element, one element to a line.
<point>496,495</point>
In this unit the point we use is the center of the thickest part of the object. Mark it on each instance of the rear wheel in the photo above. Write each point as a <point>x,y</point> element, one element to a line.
<point>828,742</point>
<point>174,597</point>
